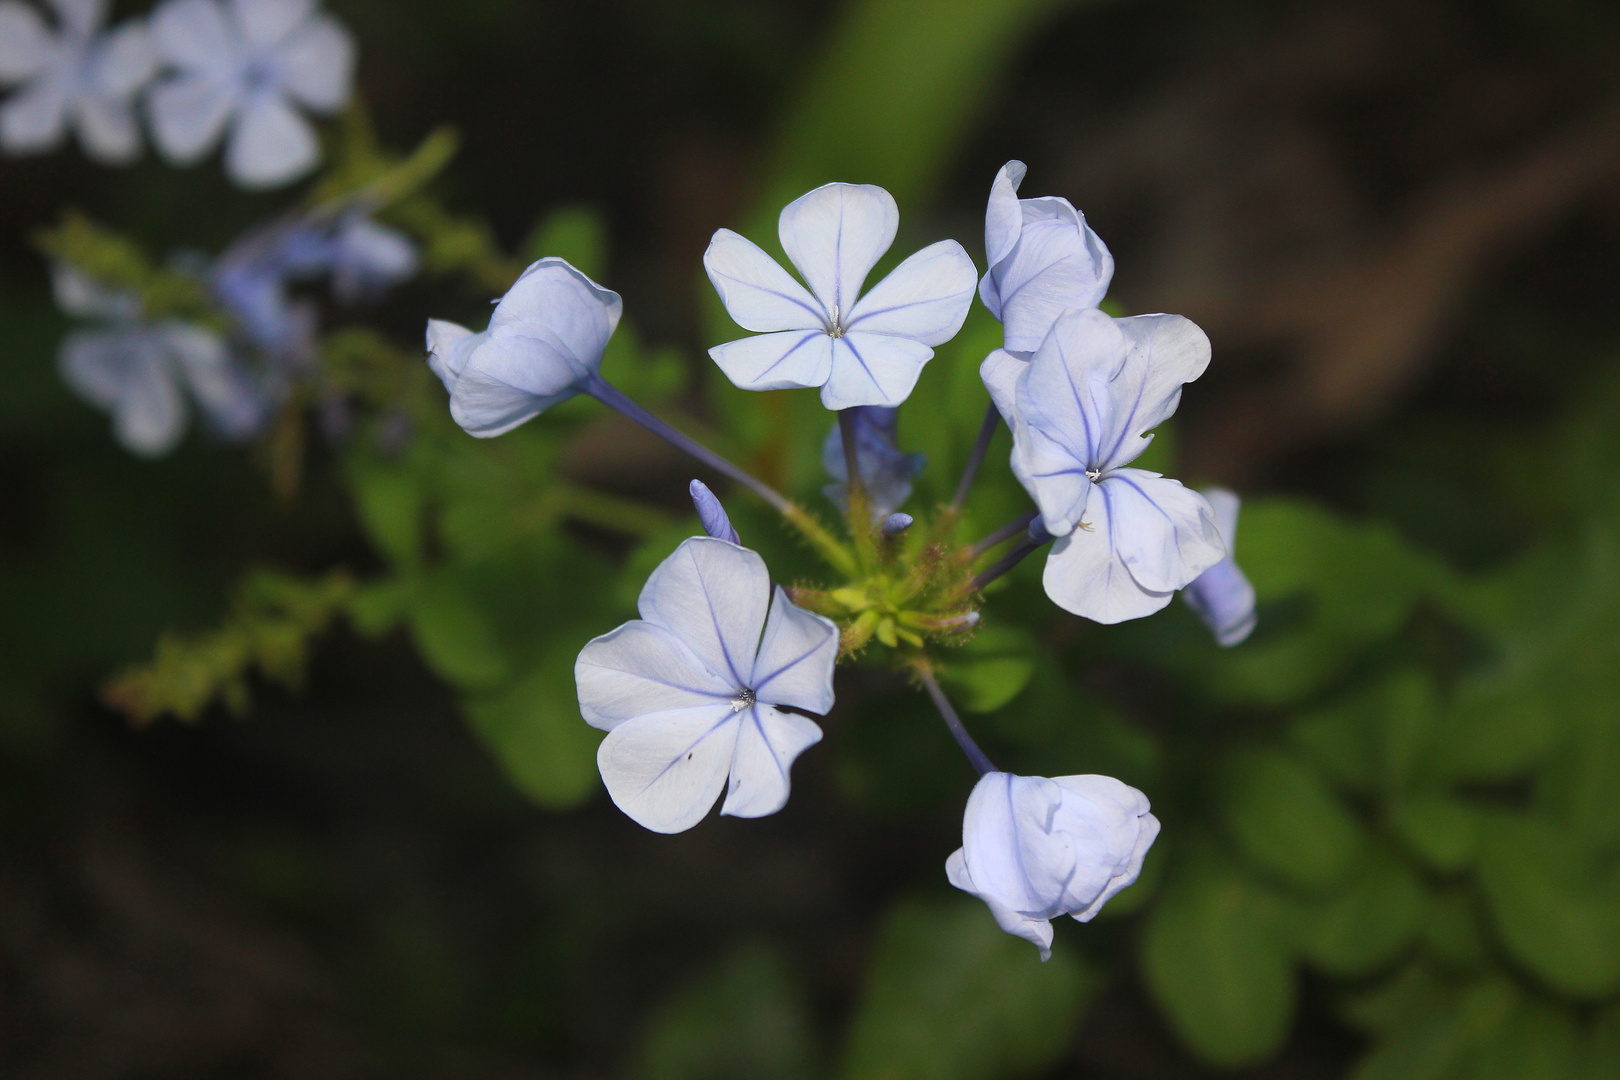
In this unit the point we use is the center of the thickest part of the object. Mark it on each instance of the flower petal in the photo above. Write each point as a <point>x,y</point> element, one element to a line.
<point>1067,392</point>
<point>795,662</point>
<point>757,293</point>
<point>665,770</point>
<point>194,35</point>
<point>1044,260</point>
<point>271,145</point>
<point>873,369</point>
<point>107,129</point>
<point>1163,532</point>
<point>124,61</point>
<point>80,17</point>
<point>1037,932</point>
<point>188,114</point>
<point>449,344</point>
<point>1010,850</point>
<point>510,378</point>
<point>1222,595</point>
<point>642,668</point>
<point>317,64</point>
<point>1164,352</point>
<point>925,298</point>
<point>780,361</point>
<point>127,373</point>
<point>1111,821</point>
<point>234,406</point>
<point>264,24</point>
<point>767,744</point>
<point>575,313</point>
<point>1085,576</point>
<point>34,119</point>
<point>713,596</point>
<point>25,43</point>
<point>835,235</point>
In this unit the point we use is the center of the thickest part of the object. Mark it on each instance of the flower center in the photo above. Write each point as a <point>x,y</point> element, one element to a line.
<point>1093,475</point>
<point>835,324</point>
<point>744,700</point>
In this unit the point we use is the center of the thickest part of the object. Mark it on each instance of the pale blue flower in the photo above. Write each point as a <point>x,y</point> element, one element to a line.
<point>1044,260</point>
<point>1080,410</point>
<point>247,65</point>
<point>75,78</point>
<point>860,350</point>
<point>142,372</point>
<point>1034,849</point>
<point>687,693</point>
<point>886,472</point>
<point>543,345</point>
<point>1222,595</point>
<point>712,514</point>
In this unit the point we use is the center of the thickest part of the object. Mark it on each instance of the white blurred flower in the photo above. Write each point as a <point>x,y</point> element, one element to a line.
<point>1034,848</point>
<point>73,78</point>
<point>248,65</point>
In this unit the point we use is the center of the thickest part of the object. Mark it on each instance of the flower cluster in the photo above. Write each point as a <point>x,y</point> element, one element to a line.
<point>202,69</point>
<point>705,692</point>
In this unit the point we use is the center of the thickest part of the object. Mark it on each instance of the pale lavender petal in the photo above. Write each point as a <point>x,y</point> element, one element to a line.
<point>873,369</point>
<point>271,145</point>
<point>127,373</point>
<point>123,62</point>
<point>510,378</point>
<point>1003,218</point>
<point>713,596</point>
<point>188,114</point>
<point>780,361</point>
<point>1085,576</point>
<point>80,18</point>
<point>767,744</point>
<point>926,298</point>
<point>1068,389</point>
<point>757,293</point>
<point>107,129</point>
<point>553,299</point>
<point>795,662</point>
<point>264,24</point>
<point>639,669</point>
<point>1164,352</point>
<point>665,770</point>
<point>1222,595</point>
<point>25,43</point>
<point>1037,932</point>
<point>1006,840</point>
<point>317,64</point>
<point>835,235</point>
<point>1164,533</point>
<point>34,119</point>
<point>449,345</point>
<point>195,36</point>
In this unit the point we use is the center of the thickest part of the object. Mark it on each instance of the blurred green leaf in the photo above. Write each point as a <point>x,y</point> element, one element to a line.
<point>1429,1035</point>
<point>1286,820</point>
<point>949,996</point>
<point>536,733</point>
<point>1553,910</point>
<point>992,669</point>
<point>455,634</point>
<point>745,1020</point>
<point>1216,958</point>
<point>575,233</point>
<point>1442,831</point>
<point>1366,927</point>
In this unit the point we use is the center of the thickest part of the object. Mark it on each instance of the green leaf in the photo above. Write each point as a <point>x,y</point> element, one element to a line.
<point>992,669</point>
<point>1439,1032</point>
<point>1369,925</point>
<point>537,735</point>
<point>949,996</point>
<point>1551,909</point>
<point>1442,831</point>
<point>575,233</point>
<point>1538,1042</point>
<point>392,507</point>
<point>744,1020</point>
<point>1286,820</point>
<point>455,635</point>
<point>1496,735</point>
<point>1216,960</point>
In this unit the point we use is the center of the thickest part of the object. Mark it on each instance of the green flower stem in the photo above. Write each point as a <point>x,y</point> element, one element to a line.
<point>860,514</point>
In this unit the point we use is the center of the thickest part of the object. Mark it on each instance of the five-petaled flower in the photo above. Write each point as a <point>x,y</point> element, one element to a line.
<point>141,371</point>
<point>75,78</point>
<point>1222,595</point>
<point>1044,260</point>
<point>688,693</point>
<point>1034,848</point>
<point>1127,539</point>
<point>544,341</point>
<point>861,350</point>
<point>246,64</point>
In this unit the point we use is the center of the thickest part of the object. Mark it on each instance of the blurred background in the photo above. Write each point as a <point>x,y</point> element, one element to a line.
<point>1391,843</point>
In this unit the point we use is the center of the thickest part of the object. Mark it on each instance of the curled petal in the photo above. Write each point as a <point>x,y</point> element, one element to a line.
<point>712,595</point>
<point>926,298</point>
<point>767,744</point>
<point>640,669</point>
<point>665,770</point>
<point>449,344</point>
<point>1037,932</point>
<point>1068,391</point>
<point>271,145</point>
<point>25,43</point>
<point>1222,595</point>
<point>507,380</point>
<point>873,369</point>
<point>575,312</point>
<point>107,130</point>
<point>1163,353</point>
<point>1112,829</point>
<point>796,655</point>
<point>835,235</point>
<point>757,293</point>
<point>1163,532</point>
<point>1003,217</point>
<point>1086,577</point>
<point>317,64</point>
<point>188,114</point>
<point>780,361</point>
<point>123,62</point>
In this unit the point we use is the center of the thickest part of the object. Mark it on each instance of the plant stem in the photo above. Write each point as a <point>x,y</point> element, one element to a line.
<point>1003,534</point>
<point>1034,539</point>
<point>860,515</point>
<point>975,756</point>
<point>987,431</point>
<point>823,541</point>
